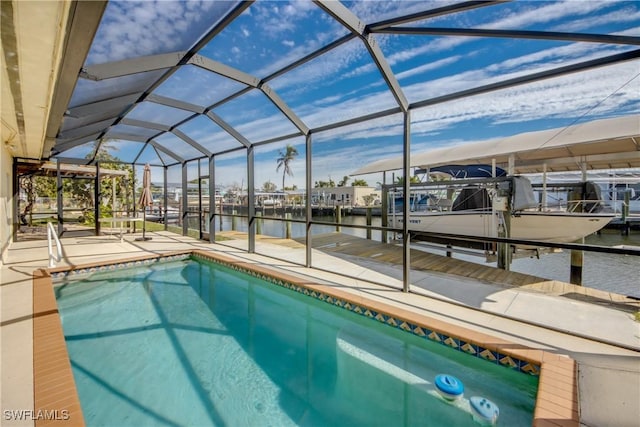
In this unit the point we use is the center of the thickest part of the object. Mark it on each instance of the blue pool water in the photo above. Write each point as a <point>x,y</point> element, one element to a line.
<point>194,343</point>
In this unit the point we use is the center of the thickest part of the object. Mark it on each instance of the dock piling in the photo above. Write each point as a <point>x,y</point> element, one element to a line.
<point>287,217</point>
<point>258,222</point>
<point>577,258</point>
<point>625,213</point>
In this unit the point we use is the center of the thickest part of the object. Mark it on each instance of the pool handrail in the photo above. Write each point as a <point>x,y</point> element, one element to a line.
<point>52,235</point>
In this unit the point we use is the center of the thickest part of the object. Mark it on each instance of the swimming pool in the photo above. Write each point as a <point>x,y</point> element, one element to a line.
<point>192,342</point>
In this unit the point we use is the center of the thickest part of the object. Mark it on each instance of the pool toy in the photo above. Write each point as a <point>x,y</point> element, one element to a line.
<point>484,411</point>
<point>449,387</point>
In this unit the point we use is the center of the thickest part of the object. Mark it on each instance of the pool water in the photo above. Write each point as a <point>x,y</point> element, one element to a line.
<point>195,343</point>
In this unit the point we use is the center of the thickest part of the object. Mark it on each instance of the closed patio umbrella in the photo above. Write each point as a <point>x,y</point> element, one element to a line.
<point>145,199</point>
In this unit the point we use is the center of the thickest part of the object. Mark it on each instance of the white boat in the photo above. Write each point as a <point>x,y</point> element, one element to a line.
<point>481,207</point>
<point>549,226</point>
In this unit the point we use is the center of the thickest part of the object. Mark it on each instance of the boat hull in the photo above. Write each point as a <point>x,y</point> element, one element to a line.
<point>557,227</point>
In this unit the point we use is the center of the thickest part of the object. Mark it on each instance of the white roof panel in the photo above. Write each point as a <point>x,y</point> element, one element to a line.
<point>603,144</point>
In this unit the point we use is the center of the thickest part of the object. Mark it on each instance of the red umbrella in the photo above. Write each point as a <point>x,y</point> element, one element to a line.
<point>145,198</point>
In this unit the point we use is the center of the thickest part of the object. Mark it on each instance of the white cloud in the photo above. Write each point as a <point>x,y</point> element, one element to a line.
<point>428,67</point>
<point>130,28</point>
<point>526,16</point>
<point>373,11</point>
<point>628,14</point>
<point>569,96</point>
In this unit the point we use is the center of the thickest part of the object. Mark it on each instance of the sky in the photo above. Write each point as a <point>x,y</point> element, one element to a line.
<point>345,83</point>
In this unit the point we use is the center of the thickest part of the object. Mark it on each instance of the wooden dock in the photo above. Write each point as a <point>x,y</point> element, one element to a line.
<point>391,253</point>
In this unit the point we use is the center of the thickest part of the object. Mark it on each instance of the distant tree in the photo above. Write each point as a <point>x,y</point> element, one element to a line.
<point>82,193</point>
<point>359,183</point>
<point>291,188</point>
<point>325,184</point>
<point>108,161</point>
<point>27,184</point>
<point>344,181</point>
<point>35,186</point>
<point>413,180</point>
<point>284,161</point>
<point>269,187</point>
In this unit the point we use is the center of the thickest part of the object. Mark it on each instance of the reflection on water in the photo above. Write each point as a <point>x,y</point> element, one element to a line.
<point>607,272</point>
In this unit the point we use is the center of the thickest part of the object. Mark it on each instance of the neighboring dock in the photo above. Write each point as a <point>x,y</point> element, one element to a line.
<point>625,223</point>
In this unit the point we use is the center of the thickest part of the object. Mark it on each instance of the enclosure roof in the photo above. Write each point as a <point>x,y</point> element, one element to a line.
<point>601,144</point>
<point>133,80</point>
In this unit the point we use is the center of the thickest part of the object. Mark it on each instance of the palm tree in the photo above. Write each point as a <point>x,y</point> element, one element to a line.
<point>286,156</point>
<point>412,180</point>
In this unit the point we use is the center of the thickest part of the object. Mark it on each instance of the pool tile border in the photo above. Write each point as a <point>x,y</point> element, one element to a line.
<point>58,274</point>
<point>556,402</point>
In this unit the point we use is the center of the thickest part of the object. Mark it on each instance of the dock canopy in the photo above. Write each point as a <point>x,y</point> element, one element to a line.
<point>601,144</point>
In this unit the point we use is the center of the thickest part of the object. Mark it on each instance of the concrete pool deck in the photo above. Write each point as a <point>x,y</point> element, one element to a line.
<point>609,376</point>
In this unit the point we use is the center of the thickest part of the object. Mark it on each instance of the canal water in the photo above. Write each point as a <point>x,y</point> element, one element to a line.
<point>607,272</point>
<point>613,273</point>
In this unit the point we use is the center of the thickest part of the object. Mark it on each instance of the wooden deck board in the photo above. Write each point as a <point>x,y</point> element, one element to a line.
<point>339,243</point>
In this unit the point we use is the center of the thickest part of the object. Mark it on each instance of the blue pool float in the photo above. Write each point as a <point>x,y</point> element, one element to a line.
<point>449,386</point>
<point>484,411</point>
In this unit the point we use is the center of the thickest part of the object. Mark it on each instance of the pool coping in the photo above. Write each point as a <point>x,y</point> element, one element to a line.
<point>55,391</point>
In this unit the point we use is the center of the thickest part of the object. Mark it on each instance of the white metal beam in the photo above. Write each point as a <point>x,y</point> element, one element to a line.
<point>174,103</point>
<point>228,128</point>
<point>224,70</point>
<point>145,124</point>
<point>284,108</point>
<point>166,151</point>
<point>85,130</point>
<point>191,142</point>
<point>126,136</point>
<point>126,67</point>
<point>66,145</point>
<point>111,104</point>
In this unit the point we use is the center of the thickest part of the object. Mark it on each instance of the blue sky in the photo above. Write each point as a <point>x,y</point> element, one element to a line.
<point>345,83</point>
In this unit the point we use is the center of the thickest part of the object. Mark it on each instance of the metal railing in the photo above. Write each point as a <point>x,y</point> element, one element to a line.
<point>52,235</point>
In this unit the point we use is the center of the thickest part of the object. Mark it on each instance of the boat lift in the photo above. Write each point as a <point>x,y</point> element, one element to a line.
<point>501,198</point>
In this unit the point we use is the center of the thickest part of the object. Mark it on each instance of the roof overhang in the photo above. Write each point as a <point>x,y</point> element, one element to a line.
<point>44,45</point>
